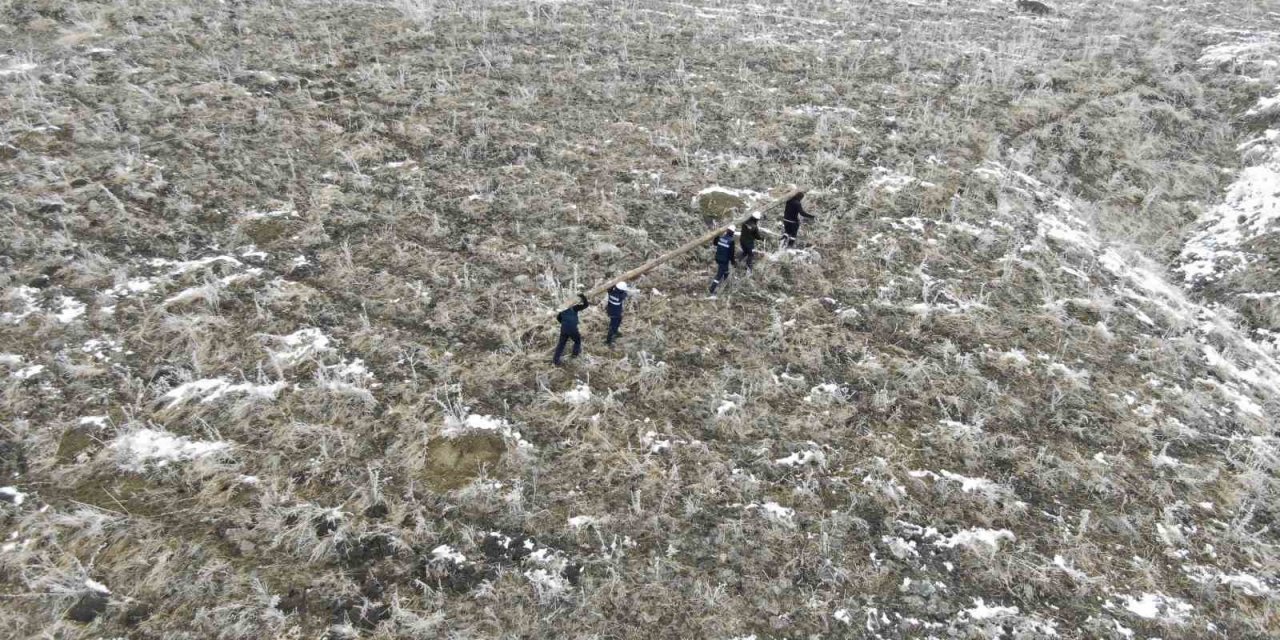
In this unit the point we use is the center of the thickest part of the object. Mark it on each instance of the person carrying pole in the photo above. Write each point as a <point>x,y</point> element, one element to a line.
<point>724,257</point>
<point>791,219</point>
<point>569,329</point>
<point>750,233</point>
<point>613,306</point>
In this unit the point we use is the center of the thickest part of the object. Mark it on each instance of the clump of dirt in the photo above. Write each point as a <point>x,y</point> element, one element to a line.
<point>365,550</point>
<point>365,616</point>
<point>264,231</point>
<point>88,607</point>
<point>454,462</point>
<point>125,493</point>
<point>716,205</point>
<point>75,444</point>
<point>13,461</point>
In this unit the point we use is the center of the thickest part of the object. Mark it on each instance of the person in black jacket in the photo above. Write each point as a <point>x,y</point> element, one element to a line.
<point>724,257</point>
<point>750,233</point>
<point>791,219</point>
<point>569,329</point>
<point>617,296</point>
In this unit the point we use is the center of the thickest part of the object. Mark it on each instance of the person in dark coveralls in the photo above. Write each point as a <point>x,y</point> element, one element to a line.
<point>613,306</point>
<point>724,257</point>
<point>791,219</point>
<point>750,233</point>
<point>569,329</point>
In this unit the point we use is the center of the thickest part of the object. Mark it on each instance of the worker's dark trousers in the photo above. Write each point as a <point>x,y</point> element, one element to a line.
<point>789,231</point>
<point>615,322</point>
<point>721,273</point>
<point>565,337</point>
<point>749,254</point>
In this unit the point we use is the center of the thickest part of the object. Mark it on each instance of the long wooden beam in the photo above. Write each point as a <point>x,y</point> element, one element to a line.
<point>700,241</point>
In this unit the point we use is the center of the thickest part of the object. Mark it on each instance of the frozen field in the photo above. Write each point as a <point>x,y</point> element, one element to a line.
<point>278,277</point>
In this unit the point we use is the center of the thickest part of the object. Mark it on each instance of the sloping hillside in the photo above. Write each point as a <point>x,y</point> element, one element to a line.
<point>278,281</point>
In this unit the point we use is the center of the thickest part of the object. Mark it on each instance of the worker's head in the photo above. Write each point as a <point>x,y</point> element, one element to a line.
<point>622,285</point>
<point>731,230</point>
<point>757,215</point>
<point>798,196</point>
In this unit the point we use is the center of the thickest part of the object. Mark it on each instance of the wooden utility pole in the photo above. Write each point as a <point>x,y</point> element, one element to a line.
<point>700,241</point>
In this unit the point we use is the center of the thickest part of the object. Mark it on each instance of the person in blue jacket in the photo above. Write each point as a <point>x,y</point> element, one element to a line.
<point>569,329</point>
<point>613,306</point>
<point>791,219</point>
<point>725,256</point>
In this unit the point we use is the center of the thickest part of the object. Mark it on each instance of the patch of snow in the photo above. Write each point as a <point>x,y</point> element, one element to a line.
<point>454,427</point>
<point>1067,229</point>
<point>1251,585</point>
<point>548,584</point>
<point>1252,375</point>
<point>814,110</point>
<point>97,422</point>
<point>579,395</point>
<point>968,484</point>
<point>28,372</point>
<point>349,370</point>
<point>446,553</point>
<point>981,611</point>
<point>1254,48</point>
<point>94,585</point>
<point>300,345</point>
<point>1248,211</point>
<point>1154,605</point>
<point>70,309</point>
<point>1265,105</point>
<point>10,359</point>
<point>24,299</point>
<point>207,291</point>
<point>211,389</point>
<point>888,181</point>
<point>899,547</point>
<point>99,347</point>
<point>133,286</point>
<point>177,268</point>
<point>1163,459</point>
<point>1015,357</point>
<point>960,429</point>
<point>655,445</point>
<point>778,512</point>
<point>17,68</point>
<point>775,512</point>
<point>825,393</point>
<point>1075,376</point>
<point>1061,563</point>
<point>578,522</point>
<point>12,496</point>
<point>801,458</point>
<point>976,536</point>
<point>253,253</point>
<point>725,407</point>
<point>254,214</point>
<point>139,448</point>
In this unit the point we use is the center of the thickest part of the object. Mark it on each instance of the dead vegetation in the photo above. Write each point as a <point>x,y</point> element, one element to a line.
<point>277,285</point>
